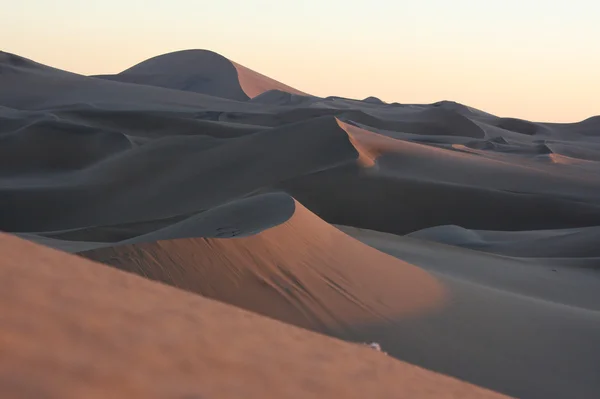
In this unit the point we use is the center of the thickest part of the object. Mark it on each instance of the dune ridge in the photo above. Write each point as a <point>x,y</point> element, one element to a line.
<point>102,333</point>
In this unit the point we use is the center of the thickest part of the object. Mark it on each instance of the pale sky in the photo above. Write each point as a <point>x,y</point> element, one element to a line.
<point>532,59</point>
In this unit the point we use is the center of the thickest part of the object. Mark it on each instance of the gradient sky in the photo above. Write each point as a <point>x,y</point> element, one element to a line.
<point>537,60</point>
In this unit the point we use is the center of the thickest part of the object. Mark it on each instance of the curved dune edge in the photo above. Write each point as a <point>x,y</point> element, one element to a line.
<point>255,84</point>
<point>304,272</point>
<point>373,145</point>
<point>72,328</point>
<point>368,151</point>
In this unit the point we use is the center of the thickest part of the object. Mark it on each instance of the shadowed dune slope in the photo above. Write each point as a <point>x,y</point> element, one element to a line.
<point>402,186</point>
<point>25,84</point>
<point>172,176</point>
<point>402,204</point>
<point>72,328</point>
<point>304,272</point>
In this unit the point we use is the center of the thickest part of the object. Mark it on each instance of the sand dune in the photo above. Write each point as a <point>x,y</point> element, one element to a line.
<point>185,174</point>
<point>511,173</point>
<point>428,121</point>
<point>468,242</point>
<point>12,64</point>
<point>192,70</point>
<point>28,86</point>
<point>200,71</point>
<point>53,139</point>
<point>100,333</point>
<point>418,185</point>
<point>515,316</point>
<point>303,272</point>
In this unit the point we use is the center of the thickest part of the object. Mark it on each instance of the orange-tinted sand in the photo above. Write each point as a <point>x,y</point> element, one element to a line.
<point>71,328</point>
<point>254,84</point>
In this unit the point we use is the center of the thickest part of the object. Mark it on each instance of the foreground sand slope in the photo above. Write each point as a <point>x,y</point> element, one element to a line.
<point>72,329</point>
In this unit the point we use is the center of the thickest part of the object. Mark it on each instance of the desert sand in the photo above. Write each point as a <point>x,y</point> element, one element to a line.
<point>463,243</point>
<point>72,328</point>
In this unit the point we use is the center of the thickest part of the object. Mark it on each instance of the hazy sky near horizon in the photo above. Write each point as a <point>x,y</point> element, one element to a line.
<point>531,59</point>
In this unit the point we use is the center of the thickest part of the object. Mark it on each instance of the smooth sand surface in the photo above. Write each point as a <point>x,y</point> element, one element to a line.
<point>255,84</point>
<point>304,272</point>
<point>72,328</point>
<point>466,243</point>
<point>200,71</point>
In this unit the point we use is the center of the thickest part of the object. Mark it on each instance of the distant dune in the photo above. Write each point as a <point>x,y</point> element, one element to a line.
<point>460,242</point>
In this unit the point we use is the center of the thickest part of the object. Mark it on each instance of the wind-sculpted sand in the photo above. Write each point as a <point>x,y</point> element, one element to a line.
<point>75,329</point>
<point>458,241</point>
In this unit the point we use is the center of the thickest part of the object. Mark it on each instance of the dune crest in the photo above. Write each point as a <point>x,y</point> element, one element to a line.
<point>304,272</point>
<point>367,150</point>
